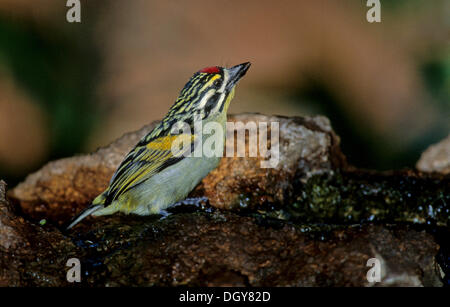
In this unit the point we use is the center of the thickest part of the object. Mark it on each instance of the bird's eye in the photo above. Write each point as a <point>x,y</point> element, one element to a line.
<point>217,83</point>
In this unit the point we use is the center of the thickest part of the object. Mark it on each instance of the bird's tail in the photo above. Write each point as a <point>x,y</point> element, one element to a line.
<point>97,204</point>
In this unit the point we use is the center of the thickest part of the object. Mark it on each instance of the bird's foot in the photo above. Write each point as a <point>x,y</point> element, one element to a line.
<point>164,214</point>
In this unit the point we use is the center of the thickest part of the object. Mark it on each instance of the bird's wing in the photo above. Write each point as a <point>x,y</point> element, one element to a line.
<point>144,161</point>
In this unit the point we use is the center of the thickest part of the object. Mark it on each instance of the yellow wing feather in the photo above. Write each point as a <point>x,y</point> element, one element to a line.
<point>145,161</point>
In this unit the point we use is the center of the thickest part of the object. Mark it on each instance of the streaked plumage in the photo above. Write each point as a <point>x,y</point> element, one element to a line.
<point>151,178</point>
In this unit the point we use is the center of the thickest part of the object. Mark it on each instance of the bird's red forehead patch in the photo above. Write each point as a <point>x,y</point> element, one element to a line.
<point>211,70</point>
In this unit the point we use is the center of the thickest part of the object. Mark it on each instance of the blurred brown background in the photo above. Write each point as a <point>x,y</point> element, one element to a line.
<point>67,88</point>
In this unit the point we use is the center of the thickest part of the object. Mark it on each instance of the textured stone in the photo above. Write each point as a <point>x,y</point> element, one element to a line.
<point>29,254</point>
<point>225,249</point>
<point>436,158</point>
<point>324,236</point>
<point>308,146</point>
<point>212,249</point>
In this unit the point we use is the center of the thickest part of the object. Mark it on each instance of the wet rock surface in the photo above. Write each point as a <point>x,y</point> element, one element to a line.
<point>30,254</point>
<point>216,248</point>
<point>311,221</point>
<point>225,249</point>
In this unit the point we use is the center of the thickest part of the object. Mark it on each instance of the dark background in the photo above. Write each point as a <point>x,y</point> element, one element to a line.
<point>68,88</point>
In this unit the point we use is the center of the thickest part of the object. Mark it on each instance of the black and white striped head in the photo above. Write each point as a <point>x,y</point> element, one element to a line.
<point>208,92</point>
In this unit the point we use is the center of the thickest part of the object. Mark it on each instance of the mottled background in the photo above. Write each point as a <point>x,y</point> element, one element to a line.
<point>70,88</point>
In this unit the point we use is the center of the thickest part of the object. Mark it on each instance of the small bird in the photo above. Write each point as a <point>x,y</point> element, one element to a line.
<point>151,177</point>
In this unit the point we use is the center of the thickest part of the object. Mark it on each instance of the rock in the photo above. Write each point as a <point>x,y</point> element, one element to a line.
<point>213,249</point>
<point>357,196</point>
<point>436,158</point>
<point>308,146</point>
<point>30,255</point>
<point>8,238</point>
<point>226,249</point>
<point>218,249</point>
<point>315,230</point>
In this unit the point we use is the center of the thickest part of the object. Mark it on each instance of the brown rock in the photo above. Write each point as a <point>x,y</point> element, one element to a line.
<point>30,255</point>
<point>436,158</point>
<point>220,248</point>
<point>8,239</point>
<point>308,146</point>
<point>225,249</point>
<point>212,249</point>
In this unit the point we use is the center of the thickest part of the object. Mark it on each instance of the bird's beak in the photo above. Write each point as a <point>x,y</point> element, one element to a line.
<point>236,73</point>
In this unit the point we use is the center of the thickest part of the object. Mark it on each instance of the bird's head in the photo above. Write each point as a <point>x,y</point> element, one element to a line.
<point>209,91</point>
